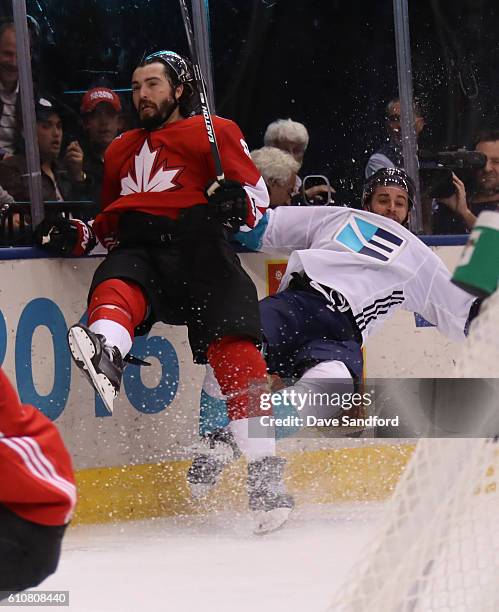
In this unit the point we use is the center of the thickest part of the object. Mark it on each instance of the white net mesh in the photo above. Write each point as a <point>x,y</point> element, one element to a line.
<point>438,548</point>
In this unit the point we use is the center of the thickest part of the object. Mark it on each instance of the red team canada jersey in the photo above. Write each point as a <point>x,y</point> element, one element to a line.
<point>163,171</point>
<point>36,476</point>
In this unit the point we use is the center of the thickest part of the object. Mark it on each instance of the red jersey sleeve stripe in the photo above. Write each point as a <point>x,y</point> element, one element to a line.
<point>39,465</point>
<point>35,461</point>
<point>52,473</point>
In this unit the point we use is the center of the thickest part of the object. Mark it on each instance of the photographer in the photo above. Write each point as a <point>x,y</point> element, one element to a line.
<point>457,213</point>
<point>486,194</point>
<point>452,215</point>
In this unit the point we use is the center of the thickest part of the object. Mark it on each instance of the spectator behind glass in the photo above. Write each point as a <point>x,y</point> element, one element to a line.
<point>10,104</point>
<point>486,193</point>
<point>287,135</point>
<point>292,137</point>
<point>457,214</point>
<point>389,155</point>
<point>101,117</point>
<point>60,180</point>
<point>9,89</point>
<point>278,169</point>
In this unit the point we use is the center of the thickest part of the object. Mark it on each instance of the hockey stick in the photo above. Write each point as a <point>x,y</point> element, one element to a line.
<point>205,108</point>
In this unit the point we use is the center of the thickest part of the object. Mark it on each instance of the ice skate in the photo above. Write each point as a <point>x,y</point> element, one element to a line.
<point>268,499</point>
<point>102,365</point>
<point>215,451</point>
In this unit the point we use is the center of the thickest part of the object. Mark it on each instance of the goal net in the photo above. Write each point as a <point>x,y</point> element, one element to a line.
<point>438,546</point>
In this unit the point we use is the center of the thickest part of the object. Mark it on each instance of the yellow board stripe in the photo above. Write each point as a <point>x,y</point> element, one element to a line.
<point>135,492</point>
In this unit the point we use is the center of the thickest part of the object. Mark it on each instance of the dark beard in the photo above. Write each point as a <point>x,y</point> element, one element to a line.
<point>155,121</point>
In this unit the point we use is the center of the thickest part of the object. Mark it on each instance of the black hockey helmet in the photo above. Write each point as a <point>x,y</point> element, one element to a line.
<point>180,71</point>
<point>386,177</point>
<point>180,66</point>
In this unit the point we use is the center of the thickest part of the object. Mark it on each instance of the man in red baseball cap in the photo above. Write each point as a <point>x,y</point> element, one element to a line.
<point>98,95</point>
<point>101,115</point>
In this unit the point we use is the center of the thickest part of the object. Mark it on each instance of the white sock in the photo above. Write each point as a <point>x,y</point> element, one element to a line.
<point>328,369</point>
<point>114,333</point>
<point>253,448</point>
<point>323,379</point>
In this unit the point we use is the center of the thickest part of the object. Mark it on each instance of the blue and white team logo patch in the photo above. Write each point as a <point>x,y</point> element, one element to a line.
<point>366,238</point>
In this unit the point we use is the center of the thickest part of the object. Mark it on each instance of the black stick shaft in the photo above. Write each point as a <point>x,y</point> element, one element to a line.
<point>205,107</point>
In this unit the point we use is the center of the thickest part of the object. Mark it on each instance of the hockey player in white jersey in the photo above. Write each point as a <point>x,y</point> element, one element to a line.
<point>348,272</point>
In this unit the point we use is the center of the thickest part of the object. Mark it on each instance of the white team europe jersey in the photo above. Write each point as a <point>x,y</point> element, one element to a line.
<point>377,265</point>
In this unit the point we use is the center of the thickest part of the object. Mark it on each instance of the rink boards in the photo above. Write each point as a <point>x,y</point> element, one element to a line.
<point>132,464</point>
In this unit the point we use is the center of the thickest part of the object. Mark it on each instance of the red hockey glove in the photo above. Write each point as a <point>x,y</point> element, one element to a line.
<point>59,236</point>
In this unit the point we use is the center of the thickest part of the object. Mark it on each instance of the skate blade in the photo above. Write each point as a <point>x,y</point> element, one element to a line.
<point>77,340</point>
<point>267,522</point>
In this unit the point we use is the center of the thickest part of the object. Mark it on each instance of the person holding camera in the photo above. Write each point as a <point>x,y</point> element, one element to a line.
<point>453,215</point>
<point>486,194</point>
<point>457,213</point>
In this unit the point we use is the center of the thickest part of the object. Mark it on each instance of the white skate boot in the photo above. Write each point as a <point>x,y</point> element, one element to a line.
<point>103,366</point>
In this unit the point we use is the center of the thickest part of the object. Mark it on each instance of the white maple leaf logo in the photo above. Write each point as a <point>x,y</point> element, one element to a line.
<point>145,179</point>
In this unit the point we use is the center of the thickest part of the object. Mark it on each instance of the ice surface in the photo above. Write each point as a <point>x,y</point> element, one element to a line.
<point>213,563</point>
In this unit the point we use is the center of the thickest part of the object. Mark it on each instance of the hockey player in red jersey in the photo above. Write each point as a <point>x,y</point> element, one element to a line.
<point>166,224</point>
<point>37,493</point>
